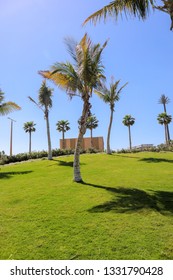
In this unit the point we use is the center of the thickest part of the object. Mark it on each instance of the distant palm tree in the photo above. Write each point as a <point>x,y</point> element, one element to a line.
<point>91,124</point>
<point>63,126</point>
<point>165,100</point>
<point>165,119</point>
<point>45,103</point>
<point>79,79</point>
<point>29,127</point>
<point>110,96</point>
<point>128,121</point>
<point>7,107</point>
<point>137,8</point>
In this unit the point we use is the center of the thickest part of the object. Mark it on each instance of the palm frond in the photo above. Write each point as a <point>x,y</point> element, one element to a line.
<point>164,99</point>
<point>8,107</point>
<point>45,74</point>
<point>139,8</point>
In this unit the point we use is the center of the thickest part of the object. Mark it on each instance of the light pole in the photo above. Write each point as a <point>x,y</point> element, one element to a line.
<point>11,136</point>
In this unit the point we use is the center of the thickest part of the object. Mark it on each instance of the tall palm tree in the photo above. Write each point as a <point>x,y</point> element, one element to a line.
<point>29,127</point>
<point>165,119</point>
<point>45,103</point>
<point>79,78</point>
<point>128,121</point>
<point>91,124</point>
<point>7,107</point>
<point>165,100</point>
<point>63,126</point>
<point>137,8</point>
<point>110,96</point>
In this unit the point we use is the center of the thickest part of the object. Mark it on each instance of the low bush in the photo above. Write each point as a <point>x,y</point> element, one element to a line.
<point>4,159</point>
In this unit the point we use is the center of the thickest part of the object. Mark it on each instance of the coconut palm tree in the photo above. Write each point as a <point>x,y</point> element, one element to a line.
<point>128,121</point>
<point>7,107</point>
<point>165,119</point>
<point>165,100</point>
<point>29,127</point>
<point>110,96</point>
<point>79,79</point>
<point>137,8</point>
<point>45,103</point>
<point>91,124</point>
<point>63,126</point>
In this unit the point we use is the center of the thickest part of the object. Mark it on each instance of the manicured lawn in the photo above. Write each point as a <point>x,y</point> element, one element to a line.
<point>124,210</point>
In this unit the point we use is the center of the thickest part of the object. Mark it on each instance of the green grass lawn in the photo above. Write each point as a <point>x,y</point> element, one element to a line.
<point>124,210</point>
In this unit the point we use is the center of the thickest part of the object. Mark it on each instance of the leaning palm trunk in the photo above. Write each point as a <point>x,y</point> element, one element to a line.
<point>108,151</point>
<point>82,130</point>
<point>130,139</point>
<point>48,136</point>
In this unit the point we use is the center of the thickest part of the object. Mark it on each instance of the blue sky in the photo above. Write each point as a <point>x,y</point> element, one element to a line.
<point>32,36</point>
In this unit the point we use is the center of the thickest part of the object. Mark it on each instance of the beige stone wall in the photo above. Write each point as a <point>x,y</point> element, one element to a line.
<point>70,143</point>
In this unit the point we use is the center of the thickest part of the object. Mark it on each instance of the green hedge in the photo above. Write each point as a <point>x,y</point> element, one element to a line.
<point>4,159</point>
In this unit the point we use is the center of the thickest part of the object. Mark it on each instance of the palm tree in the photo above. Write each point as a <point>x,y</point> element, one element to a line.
<point>79,79</point>
<point>63,126</point>
<point>128,120</point>
<point>165,100</point>
<point>7,107</point>
<point>91,124</point>
<point>29,127</point>
<point>165,119</point>
<point>45,103</point>
<point>137,8</point>
<point>110,96</point>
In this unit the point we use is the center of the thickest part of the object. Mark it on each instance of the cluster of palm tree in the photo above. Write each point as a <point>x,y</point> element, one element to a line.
<point>81,78</point>
<point>86,74</point>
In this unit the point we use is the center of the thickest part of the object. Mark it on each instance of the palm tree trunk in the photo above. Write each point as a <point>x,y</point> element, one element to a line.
<point>167,127</point>
<point>130,139</point>
<point>76,165</point>
<point>91,138</point>
<point>29,142</point>
<point>108,151</point>
<point>166,135</point>
<point>63,146</point>
<point>48,136</point>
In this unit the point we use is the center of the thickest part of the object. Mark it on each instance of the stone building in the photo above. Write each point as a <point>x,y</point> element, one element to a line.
<point>97,143</point>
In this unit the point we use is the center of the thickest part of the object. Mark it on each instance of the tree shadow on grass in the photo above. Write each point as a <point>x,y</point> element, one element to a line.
<point>156,160</point>
<point>128,200</point>
<point>65,163</point>
<point>8,175</point>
